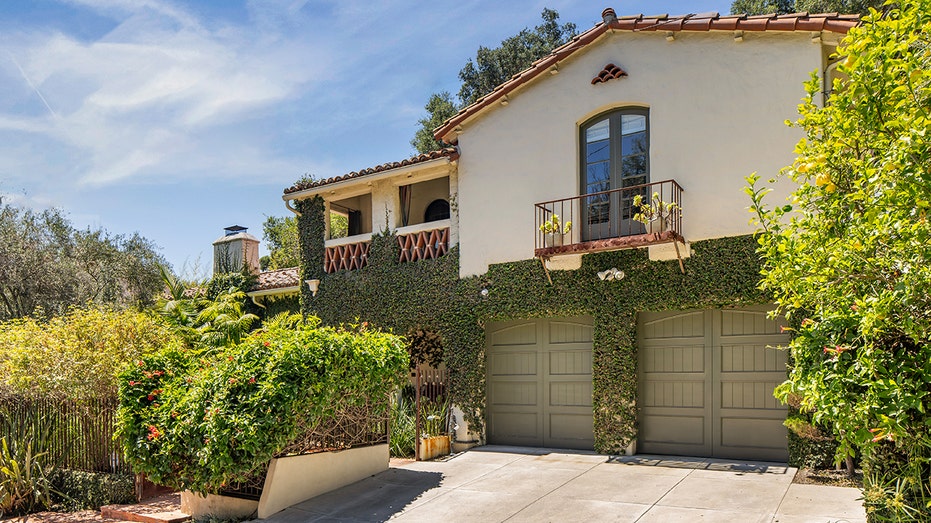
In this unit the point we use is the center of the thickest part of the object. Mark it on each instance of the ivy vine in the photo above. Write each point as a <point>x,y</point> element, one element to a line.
<point>429,294</point>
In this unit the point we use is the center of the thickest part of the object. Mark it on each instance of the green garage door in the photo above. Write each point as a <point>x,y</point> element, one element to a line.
<point>706,384</point>
<point>540,383</point>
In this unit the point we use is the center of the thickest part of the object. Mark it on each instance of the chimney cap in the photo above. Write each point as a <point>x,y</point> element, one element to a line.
<point>608,15</point>
<point>234,229</point>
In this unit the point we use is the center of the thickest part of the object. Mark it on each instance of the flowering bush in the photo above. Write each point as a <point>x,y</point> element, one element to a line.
<point>202,423</point>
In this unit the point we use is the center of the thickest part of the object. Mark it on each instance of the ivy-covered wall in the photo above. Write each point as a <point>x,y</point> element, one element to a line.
<point>394,296</point>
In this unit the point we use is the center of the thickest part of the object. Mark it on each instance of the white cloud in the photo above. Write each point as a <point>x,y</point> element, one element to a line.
<point>136,102</point>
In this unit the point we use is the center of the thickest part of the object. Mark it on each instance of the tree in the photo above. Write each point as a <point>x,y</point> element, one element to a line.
<point>761,7</point>
<point>47,264</point>
<point>492,67</point>
<point>281,237</point>
<point>852,267</point>
<point>440,107</point>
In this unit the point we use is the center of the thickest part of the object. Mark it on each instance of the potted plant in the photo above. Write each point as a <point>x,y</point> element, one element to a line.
<point>434,438</point>
<point>654,213</point>
<point>553,231</point>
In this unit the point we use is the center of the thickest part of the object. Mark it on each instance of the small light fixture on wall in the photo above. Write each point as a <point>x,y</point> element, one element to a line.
<point>611,274</point>
<point>313,285</point>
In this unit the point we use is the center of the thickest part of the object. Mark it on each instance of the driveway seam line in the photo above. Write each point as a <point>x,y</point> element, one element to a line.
<point>655,503</point>
<point>550,492</point>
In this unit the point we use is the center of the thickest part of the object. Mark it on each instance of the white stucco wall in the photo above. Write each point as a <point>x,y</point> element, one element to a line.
<point>717,111</point>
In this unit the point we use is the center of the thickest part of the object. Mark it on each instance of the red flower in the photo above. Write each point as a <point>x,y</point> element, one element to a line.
<point>266,344</point>
<point>153,433</point>
<point>232,380</point>
<point>132,383</point>
<point>140,363</point>
<point>252,380</point>
<point>150,397</point>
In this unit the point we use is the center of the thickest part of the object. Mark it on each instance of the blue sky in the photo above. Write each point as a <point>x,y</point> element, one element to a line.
<point>178,118</point>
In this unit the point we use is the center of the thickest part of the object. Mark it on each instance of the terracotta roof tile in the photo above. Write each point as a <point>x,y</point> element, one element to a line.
<point>449,152</point>
<point>610,72</point>
<point>832,22</point>
<point>278,279</point>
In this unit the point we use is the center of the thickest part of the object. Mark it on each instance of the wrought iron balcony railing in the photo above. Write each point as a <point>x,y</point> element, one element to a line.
<point>605,220</point>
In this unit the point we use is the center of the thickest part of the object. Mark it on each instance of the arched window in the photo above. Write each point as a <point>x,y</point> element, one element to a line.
<point>615,150</point>
<point>437,210</point>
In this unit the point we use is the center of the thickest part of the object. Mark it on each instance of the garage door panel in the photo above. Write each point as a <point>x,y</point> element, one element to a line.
<point>752,358</point>
<point>675,430</point>
<point>674,358</point>
<point>561,332</point>
<point>680,394</point>
<point>749,322</point>
<point>675,325</point>
<point>514,393</point>
<point>540,394</point>
<point>516,334</point>
<point>516,427</point>
<point>754,436</point>
<point>735,370</point>
<point>571,394</point>
<point>750,395</point>
<point>570,430</point>
<point>522,363</point>
<point>570,362</point>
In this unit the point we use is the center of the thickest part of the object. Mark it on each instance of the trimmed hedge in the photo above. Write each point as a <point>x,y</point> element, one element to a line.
<point>203,423</point>
<point>79,490</point>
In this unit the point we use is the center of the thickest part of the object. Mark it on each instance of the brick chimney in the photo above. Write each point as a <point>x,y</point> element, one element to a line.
<point>235,249</point>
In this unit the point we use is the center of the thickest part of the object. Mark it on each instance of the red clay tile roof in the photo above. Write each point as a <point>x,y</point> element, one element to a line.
<point>449,152</point>
<point>831,22</point>
<point>610,72</point>
<point>278,279</point>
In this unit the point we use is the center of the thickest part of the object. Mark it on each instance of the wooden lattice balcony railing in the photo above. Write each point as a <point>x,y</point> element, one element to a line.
<point>424,245</point>
<point>348,257</point>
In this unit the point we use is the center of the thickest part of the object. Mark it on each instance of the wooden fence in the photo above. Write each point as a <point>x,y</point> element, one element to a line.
<point>76,435</point>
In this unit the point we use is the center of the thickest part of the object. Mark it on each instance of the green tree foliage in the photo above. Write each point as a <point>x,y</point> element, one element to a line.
<point>490,68</point>
<point>852,267</point>
<point>762,7</point>
<point>440,107</point>
<point>281,238</point>
<point>201,423</point>
<point>75,355</point>
<point>47,264</point>
<point>494,66</point>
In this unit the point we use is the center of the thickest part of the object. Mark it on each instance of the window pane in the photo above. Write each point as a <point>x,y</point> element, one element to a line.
<point>597,151</point>
<point>634,165</point>
<point>634,143</point>
<point>597,172</point>
<point>632,123</point>
<point>630,181</point>
<point>598,131</point>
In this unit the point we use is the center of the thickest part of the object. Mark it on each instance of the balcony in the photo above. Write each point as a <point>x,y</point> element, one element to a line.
<point>423,241</point>
<point>605,221</point>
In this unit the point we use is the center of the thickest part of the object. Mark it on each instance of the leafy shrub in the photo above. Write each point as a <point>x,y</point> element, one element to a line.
<point>201,423</point>
<point>23,483</point>
<point>78,354</point>
<point>78,490</point>
<point>403,426</point>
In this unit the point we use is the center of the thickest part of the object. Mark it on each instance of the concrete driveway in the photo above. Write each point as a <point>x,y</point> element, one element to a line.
<point>514,484</point>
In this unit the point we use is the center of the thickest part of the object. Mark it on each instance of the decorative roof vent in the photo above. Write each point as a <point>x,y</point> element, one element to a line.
<point>610,72</point>
<point>234,229</point>
<point>609,16</point>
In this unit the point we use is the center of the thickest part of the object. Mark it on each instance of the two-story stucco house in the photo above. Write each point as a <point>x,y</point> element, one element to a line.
<point>605,334</point>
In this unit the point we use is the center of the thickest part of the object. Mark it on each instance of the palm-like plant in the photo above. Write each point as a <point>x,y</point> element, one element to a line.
<point>223,322</point>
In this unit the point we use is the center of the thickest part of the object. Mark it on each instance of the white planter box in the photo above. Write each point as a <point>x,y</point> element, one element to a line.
<point>291,480</point>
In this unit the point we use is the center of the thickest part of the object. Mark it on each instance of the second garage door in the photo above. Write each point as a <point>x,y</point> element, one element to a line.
<point>706,384</point>
<point>540,383</point>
